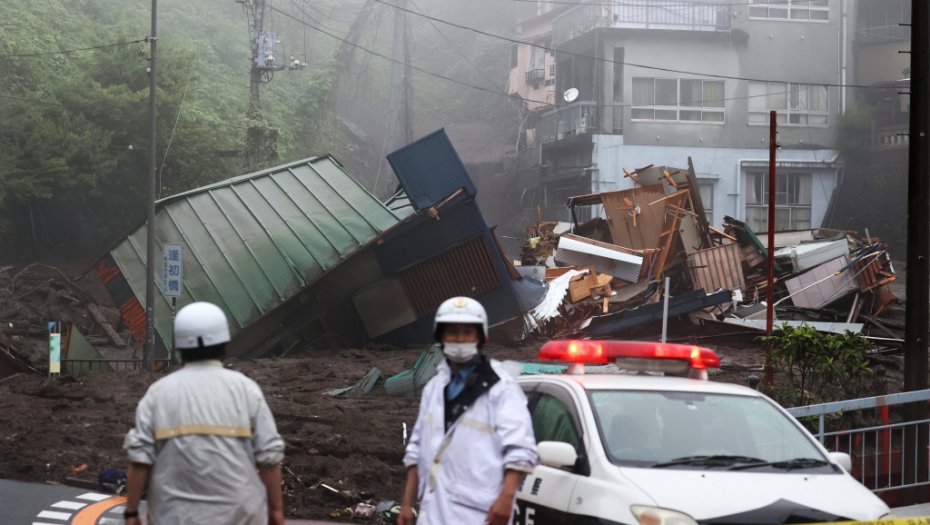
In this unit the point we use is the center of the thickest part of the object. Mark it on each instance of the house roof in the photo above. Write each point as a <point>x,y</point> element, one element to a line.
<point>430,170</point>
<point>254,241</point>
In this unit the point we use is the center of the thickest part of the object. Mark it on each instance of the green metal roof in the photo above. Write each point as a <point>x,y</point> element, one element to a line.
<point>253,241</point>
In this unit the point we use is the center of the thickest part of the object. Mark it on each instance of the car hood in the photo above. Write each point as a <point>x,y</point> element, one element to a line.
<point>713,497</point>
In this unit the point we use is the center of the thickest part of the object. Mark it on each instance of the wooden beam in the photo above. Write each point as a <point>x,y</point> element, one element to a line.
<point>668,197</point>
<point>630,175</point>
<point>670,179</point>
<point>641,169</point>
<point>715,230</point>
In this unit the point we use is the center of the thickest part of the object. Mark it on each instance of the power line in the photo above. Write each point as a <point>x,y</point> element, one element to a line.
<point>326,15</point>
<point>631,64</point>
<point>411,66</point>
<point>459,52</point>
<point>31,100</point>
<point>72,50</point>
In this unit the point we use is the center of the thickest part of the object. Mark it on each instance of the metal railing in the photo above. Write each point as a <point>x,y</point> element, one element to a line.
<point>76,366</point>
<point>641,14</point>
<point>880,453</point>
<point>578,118</point>
<point>535,76</point>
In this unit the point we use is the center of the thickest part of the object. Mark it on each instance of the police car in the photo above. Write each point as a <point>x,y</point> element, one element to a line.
<point>650,450</point>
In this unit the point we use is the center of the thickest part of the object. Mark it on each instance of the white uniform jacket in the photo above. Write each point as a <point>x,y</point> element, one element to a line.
<point>461,471</point>
<point>204,429</point>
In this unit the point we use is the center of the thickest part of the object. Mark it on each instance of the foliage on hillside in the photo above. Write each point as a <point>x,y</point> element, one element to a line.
<point>74,127</point>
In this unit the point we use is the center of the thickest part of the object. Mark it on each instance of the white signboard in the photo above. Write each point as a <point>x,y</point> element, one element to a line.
<point>172,270</point>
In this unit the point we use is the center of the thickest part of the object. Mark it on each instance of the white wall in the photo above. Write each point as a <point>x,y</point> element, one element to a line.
<point>726,166</point>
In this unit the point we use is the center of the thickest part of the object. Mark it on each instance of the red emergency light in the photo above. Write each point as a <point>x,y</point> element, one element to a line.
<point>634,355</point>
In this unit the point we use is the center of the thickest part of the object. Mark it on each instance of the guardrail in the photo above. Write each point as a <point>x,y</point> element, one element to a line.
<point>76,366</point>
<point>880,454</point>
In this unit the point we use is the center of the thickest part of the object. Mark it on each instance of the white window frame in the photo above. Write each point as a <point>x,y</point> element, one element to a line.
<point>793,208</point>
<point>708,212</point>
<point>795,113</point>
<point>679,108</point>
<point>790,7</point>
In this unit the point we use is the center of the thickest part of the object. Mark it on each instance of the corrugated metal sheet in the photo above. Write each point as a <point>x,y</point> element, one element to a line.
<point>465,270</point>
<point>717,268</point>
<point>833,328</point>
<point>126,302</point>
<point>826,292</point>
<point>430,170</point>
<point>411,382</point>
<point>609,259</point>
<point>422,237</point>
<point>252,242</point>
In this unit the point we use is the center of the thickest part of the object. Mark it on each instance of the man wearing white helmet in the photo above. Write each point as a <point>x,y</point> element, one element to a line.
<point>200,434</point>
<point>473,440</point>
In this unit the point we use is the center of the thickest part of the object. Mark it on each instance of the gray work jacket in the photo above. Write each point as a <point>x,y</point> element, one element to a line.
<point>204,430</point>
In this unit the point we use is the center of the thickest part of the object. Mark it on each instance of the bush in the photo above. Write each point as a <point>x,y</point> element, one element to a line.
<point>819,367</point>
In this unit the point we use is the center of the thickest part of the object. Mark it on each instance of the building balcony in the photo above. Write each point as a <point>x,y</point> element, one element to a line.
<point>580,118</point>
<point>641,14</point>
<point>535,76</point>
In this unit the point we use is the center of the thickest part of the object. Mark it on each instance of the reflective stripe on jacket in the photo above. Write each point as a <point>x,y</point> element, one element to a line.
<point>204,429</point>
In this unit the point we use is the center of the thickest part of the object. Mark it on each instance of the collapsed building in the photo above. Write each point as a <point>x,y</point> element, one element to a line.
<point>607,275</point>
<point>302,255</point>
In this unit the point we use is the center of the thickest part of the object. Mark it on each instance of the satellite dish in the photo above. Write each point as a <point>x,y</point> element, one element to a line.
<point>570,95</point>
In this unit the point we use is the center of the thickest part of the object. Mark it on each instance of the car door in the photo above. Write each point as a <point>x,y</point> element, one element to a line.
<point>545,495</point>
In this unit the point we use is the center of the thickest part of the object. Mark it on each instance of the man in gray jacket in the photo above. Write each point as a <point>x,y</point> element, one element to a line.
<point>200,434</point>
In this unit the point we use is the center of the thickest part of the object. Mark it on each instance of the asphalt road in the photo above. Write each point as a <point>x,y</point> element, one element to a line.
<point>35,503</point>
<point>38,504</point>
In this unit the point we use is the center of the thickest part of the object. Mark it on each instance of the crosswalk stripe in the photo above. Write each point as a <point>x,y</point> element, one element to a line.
<point>71,505</point>
<point>93,496</point>
<point>54,515</point>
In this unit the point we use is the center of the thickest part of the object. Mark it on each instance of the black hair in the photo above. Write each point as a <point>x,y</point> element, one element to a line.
<point>202,353</point>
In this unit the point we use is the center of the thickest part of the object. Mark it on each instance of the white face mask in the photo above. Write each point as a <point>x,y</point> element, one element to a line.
<point>459,352</point>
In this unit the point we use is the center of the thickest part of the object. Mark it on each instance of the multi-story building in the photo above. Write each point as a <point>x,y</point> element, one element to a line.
<point>640,82</point>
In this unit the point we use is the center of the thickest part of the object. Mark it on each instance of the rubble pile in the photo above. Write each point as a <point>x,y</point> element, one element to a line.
<point>34,295</point>
<point>607,276</point>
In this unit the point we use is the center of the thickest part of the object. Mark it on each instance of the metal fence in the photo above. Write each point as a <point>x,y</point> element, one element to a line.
<point>880,454</point>
<point>641,14</point>
<point>578,118</point>
<point>76,366</point>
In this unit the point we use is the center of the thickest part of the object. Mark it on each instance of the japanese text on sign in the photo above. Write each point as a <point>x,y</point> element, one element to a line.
<point>172,270</point>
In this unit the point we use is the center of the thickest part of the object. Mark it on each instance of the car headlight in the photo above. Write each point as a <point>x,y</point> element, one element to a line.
<point>656,516</point>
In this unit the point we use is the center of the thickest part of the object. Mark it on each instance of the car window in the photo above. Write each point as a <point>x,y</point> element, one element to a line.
<point>552,421</point>
<point>641,428</point>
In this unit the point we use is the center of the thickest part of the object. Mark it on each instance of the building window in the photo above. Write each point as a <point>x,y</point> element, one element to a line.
<point>800,104</point>
<point>552,70</point>
<point>792,201</point>
<point>706,187</point>
<point>678,100</point>
<point>794,10</point>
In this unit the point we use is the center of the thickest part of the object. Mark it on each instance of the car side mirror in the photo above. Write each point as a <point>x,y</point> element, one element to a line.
<point>842,459</point>
<point>556,454</point>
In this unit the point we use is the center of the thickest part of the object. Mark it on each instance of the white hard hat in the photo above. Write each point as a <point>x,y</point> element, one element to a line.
<point>464,310</point>
<point>200,322</point>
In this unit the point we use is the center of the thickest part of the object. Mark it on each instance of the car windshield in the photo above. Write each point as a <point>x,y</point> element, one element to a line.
<point>700,430</point>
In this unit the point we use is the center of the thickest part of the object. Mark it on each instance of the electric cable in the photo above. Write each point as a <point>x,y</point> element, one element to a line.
<point>65,52</point>
<point>598,59</point>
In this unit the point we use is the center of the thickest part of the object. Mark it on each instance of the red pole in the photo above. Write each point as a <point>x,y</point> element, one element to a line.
<point>769,380</point>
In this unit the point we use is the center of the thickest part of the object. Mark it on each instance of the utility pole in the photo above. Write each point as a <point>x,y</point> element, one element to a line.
<point>264,49</point>
<point>148,351</point>
<point>769,378</point>
<point>917,308</point>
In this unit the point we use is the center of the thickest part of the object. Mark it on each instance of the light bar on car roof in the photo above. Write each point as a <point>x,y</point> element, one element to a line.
<point>633,355</point>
